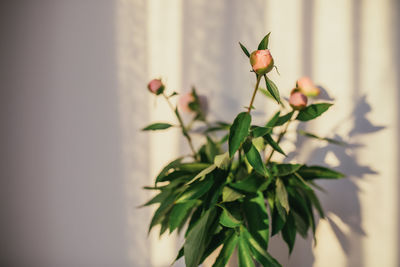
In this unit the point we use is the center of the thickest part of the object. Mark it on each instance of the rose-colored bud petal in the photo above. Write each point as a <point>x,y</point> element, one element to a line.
<point>261,61</point>
<point>156,86</point>
<point>307,87</point>
<point>184,102</point>
<point>188,98</point>
<point>297,100</point>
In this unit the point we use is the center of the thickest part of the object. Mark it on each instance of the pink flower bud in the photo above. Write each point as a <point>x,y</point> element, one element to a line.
<point>184,102</point>
<point>307,87</point>
<point>188,98</point>
<point>297,100</point>
<point>156,86</point>
<point>261,61</point>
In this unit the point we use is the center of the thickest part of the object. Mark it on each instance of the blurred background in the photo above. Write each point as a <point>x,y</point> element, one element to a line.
<point>74,98</point>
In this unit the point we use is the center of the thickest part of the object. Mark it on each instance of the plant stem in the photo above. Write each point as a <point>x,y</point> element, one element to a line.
<point>254,93</point>
<point>182,125</point>
<point>283,132</point>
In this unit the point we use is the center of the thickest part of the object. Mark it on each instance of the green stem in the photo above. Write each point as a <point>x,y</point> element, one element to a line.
<point>254,93</point>
<point>281,135</point>
<point>184,130</point>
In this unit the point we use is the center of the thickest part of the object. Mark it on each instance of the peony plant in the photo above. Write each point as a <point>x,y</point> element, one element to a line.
<point>230,193</point>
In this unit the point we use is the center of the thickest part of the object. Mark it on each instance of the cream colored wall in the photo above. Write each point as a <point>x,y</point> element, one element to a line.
<point>74,100</point>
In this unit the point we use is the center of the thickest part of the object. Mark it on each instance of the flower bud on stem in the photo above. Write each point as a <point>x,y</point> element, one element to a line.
<point>182,125</point>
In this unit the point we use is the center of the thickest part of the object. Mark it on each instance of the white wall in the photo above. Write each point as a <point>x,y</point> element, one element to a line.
<point>73,99</point>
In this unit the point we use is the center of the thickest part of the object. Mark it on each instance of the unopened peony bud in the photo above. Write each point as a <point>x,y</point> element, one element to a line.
<point>261,61</point>
<point>184,102</point>
<point>156,86</point>
<point>307,87</point>
<point>297,100</point>
<point>187,99</point>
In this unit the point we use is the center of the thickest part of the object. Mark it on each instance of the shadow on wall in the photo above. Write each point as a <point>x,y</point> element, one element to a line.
<point>345,203</point>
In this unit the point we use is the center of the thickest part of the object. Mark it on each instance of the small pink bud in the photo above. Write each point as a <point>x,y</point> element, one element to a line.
<point>188,98</point>
<point>184,102</point>
<point>261,61</point>
<point>156,86</point>
<point>307,87</point>
<point>297,100</point>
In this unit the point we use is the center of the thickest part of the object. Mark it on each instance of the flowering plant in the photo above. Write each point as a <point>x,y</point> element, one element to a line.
<point>230,192</point>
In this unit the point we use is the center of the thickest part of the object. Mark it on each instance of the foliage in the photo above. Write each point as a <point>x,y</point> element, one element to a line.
<point>230,192</point>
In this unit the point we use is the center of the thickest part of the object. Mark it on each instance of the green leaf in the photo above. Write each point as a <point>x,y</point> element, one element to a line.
<point>252,184</point>
<point>273,144</point>
<point>198,238</point>
<point>264,42</point>
<point>166,169</point>
<point>283,119</point>
<point>244,254</point>
<point>229,195</point>
<point>282,195</point>
<point>211,149</point>
<point>255,160</point>
<point>257,218</point>
<point>195,190</point>
<point>245,51</point>
<point>285,169</point>
<point>222,161</point>
<point>312,111</point>
<point>260,131</point>
<point>272,89</point>
<point>258,252</point>
<point>164,208</point>
<point>203,173</point>
<point>239,132</point>
<point>160,197</point>
<point>289,232</point>
<point>318,172</point>
<point>157,126</point>
<point>329,140</point>
<point>193,167</point>
<point>179,213</point>
<point>300,223</point>
<point>227,250</point>
<point>227,219</point>
<point>273,120</point>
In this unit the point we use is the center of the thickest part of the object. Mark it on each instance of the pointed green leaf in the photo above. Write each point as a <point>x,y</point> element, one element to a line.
<point>257,218</point>
<point>195,190</point>
<point>157,126</point>
<point>273,144</point>
<point>203,173</point>
<point>284,118</point>
<point>226,251</point>
<point>179,213</point>
<point>261,131</point>
<point>264,42</point>
<point>198,238</point>
<point>273,120</point>
<point>238,132</point>
<point>281,194</point>
<point>318,172</point>
<point>166,169</point>
<point>244,49</point>
<point>285,169</point>
<point>229,195</point>
<point>227,219</point>
<point>258,252</point>
<point>272,89</point>
<point>255,160</point>
<point>252,184</point>
<point>312,111</point>
<point>222,161</point>
<point>289,232</point>
<point>244,254</point>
